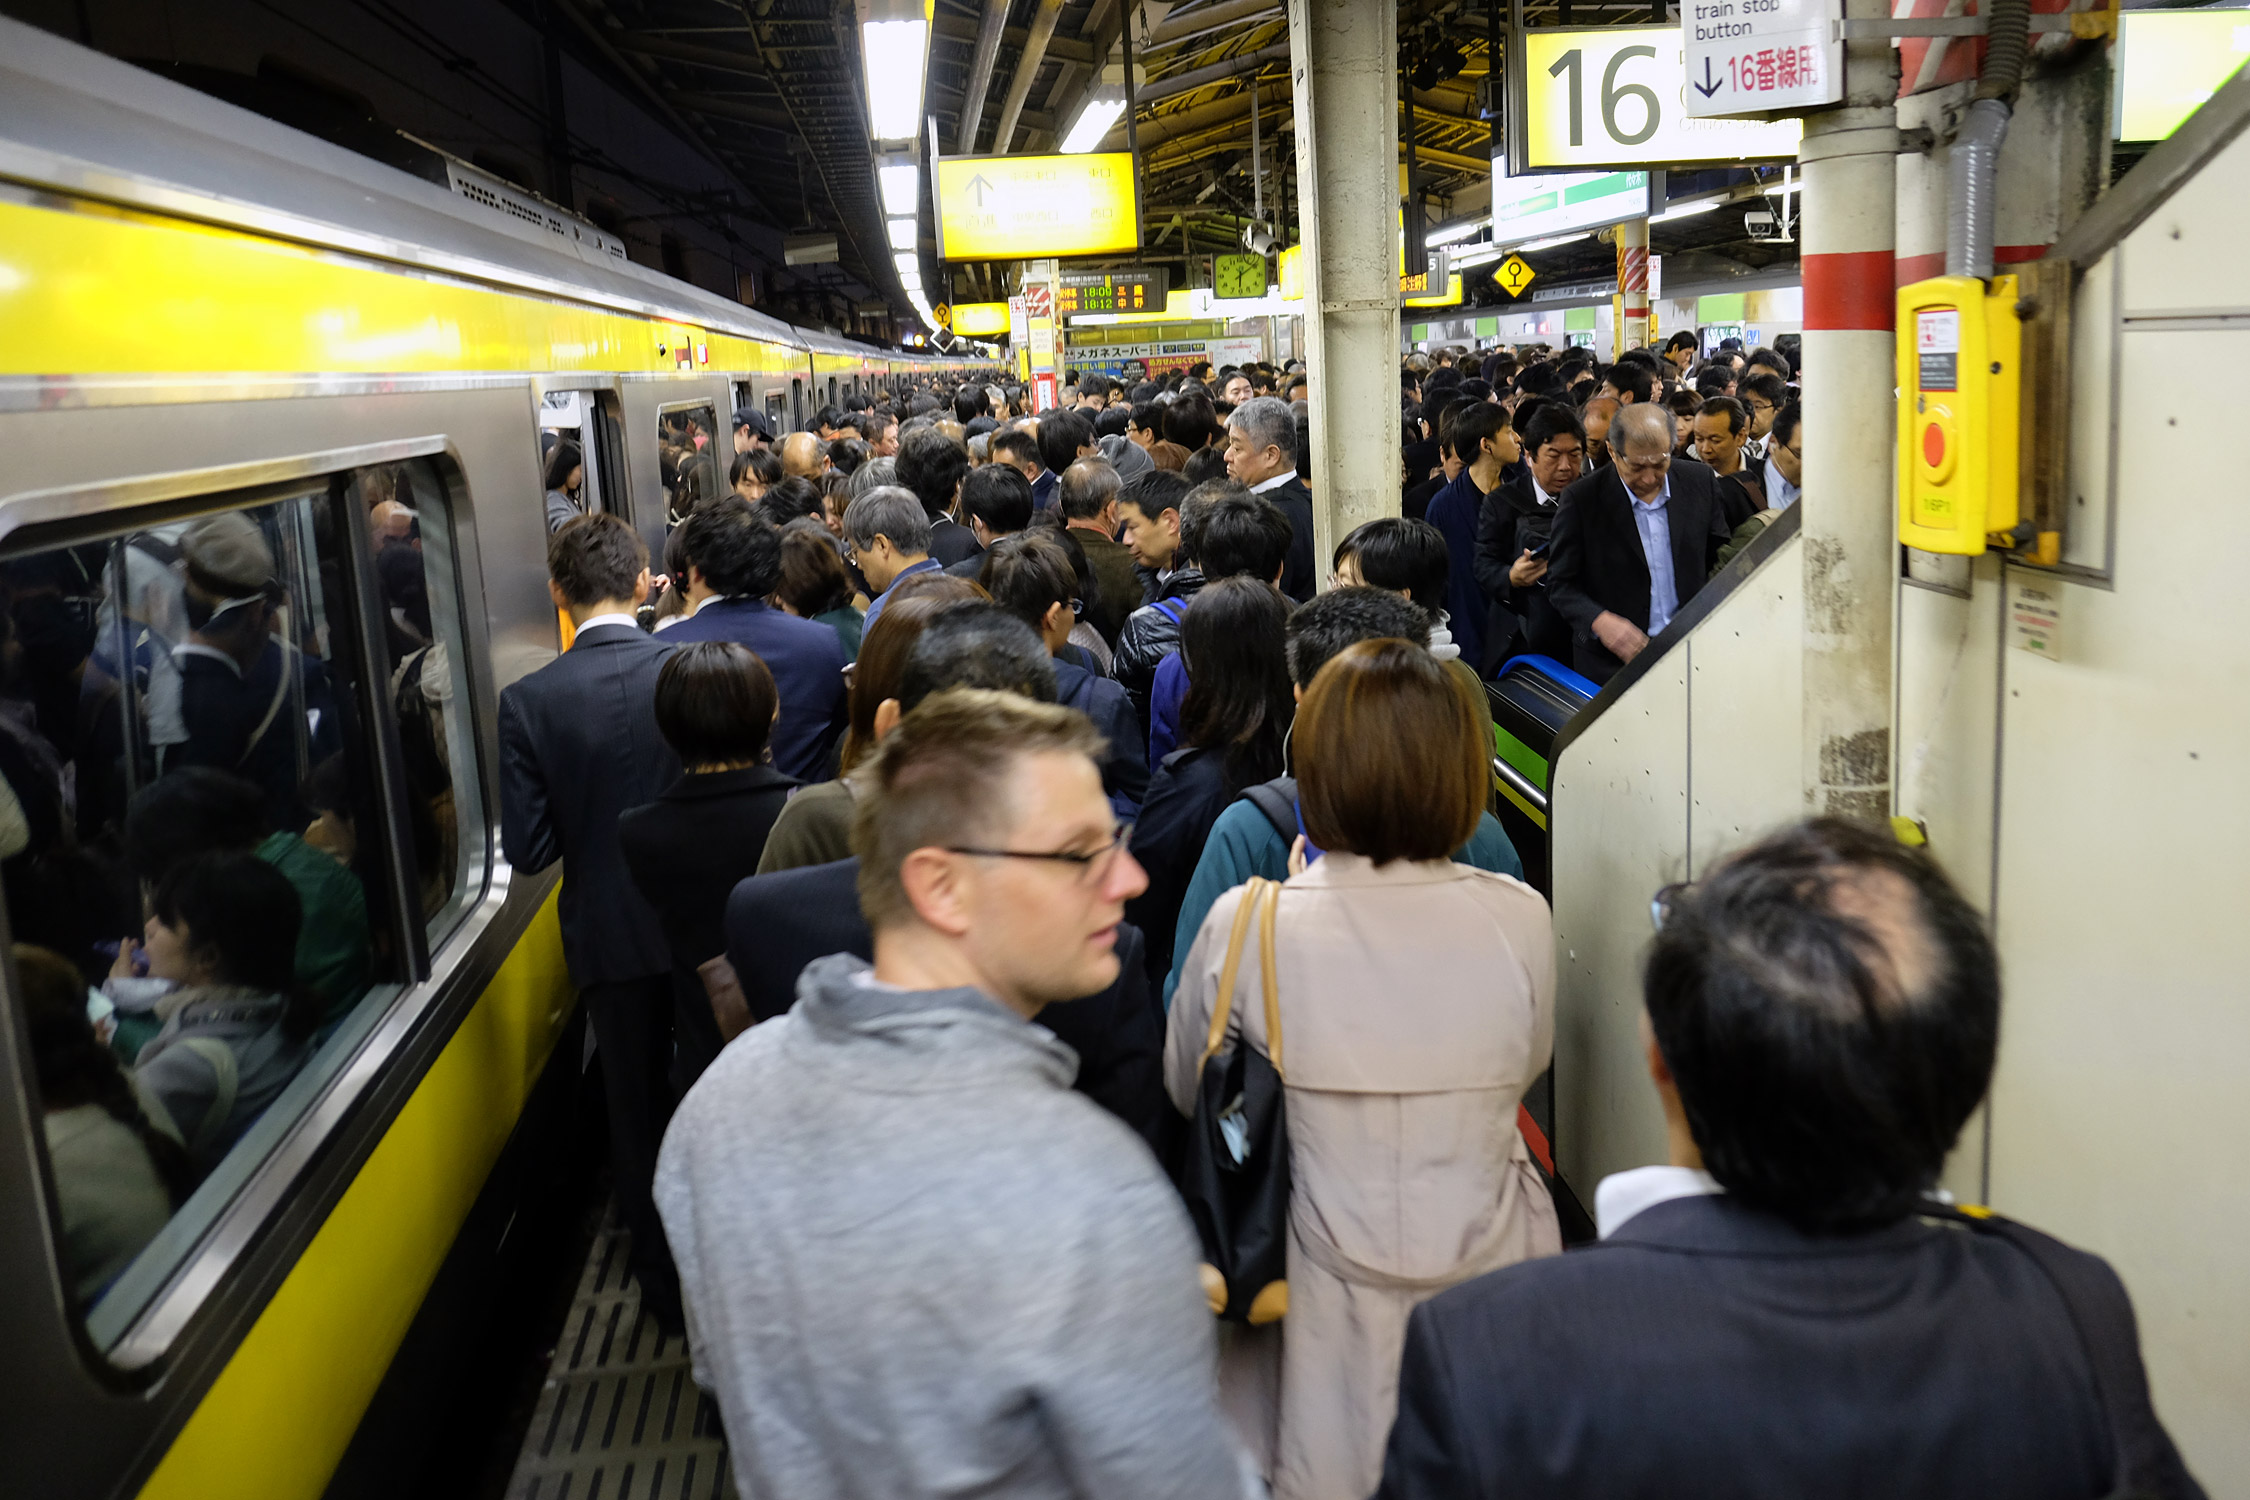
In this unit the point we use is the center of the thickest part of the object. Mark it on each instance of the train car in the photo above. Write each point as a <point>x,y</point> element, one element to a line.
<point>271,409</point>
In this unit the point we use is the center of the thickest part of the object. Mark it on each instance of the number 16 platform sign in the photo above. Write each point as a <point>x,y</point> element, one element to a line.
<point>1622,97</point>
<point>1746,56</point>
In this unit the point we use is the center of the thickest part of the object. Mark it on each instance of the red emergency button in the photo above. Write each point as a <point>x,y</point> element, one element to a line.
<point>1933,445</point>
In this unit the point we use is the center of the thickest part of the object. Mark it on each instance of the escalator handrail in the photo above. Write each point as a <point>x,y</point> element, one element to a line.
<point>1705,600</point>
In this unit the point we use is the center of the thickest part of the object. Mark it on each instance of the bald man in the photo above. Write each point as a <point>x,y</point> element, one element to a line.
<point>804,455</point>
<point>1632,543</point>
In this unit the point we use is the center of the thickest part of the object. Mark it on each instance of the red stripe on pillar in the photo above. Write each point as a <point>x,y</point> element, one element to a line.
<point>1849,291</point>
<point>1912,268</point>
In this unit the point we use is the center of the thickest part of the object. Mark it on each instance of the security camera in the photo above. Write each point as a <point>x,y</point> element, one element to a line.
<point>1760,224</point>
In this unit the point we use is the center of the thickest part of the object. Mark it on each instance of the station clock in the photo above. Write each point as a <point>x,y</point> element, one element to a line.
<point>1238,276</point>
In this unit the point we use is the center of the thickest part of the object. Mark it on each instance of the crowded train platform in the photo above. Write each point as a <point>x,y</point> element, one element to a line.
<point>1369,750</point>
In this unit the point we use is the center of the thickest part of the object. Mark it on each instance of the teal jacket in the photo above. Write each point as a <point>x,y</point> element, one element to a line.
<point>1244,843</point>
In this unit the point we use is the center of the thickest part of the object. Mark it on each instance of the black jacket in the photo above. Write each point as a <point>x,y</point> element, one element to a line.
<point>1512,521</point>
<point>1152,633</point>
<point>778,923</point>
<point>1186,794</point>
<point>1596,562</point>
<point>688,850</point>
<point>578,745</point>
<point>951,542</point>
<point>1300,572</point>
<point>1125,762</point>
<point>1709,1349</point>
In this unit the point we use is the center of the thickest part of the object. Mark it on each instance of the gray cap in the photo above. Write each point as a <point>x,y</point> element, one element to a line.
<point>230,553</point>
<point>1125,455</point>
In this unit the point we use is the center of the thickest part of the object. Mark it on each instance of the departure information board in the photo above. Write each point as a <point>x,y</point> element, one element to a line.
<point>1136,289</point>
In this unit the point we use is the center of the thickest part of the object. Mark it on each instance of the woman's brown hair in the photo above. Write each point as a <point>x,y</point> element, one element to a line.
<point>1392,757</point>
<point>883,652</point>
<point>813,578</point>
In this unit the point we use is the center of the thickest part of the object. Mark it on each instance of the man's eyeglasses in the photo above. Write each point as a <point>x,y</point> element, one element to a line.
<point>1757,405</point>
<point>1092,865</point>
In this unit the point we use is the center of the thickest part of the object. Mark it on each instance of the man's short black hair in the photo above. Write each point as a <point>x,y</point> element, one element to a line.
<point>931,465</point>
<point>1145,416</point>
<point>1767,387</point>
<point>1061,435</point>
<point>1014,445</point>
<point>737,553</point>
<point>1681,340</point>
<point>1737,415</point>
<point>1552,419</point>
<point>1713,380</point>
<point>1398,553</point>
<point>1113,421</point>
<point>1322,628</point>
<point>1471,427</point>
<point>596,557</point>
<point>1630,377</point>
<point>999,496</point>
<point>1243,534</point>
<point>1093,383</point>
<point>1829,1008</point>
<point>1784,424</point>
<point>976,644</point>
<point>1155,492</point>
<point>968,401</point>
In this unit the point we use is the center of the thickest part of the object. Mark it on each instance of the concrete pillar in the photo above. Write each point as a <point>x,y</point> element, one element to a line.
<point>1343,57</point>
<point>1632,283</point>
<point>1850,539</point>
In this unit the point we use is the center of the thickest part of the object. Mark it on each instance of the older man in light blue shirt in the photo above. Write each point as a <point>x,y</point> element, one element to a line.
<point>1652,518</point>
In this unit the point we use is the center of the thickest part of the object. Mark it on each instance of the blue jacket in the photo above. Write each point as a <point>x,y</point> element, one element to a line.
<point>1454,511</point>
<point>1164,699</point>
<point>1244,843</point>
<point>1125,763</point>
<point>807,662</point>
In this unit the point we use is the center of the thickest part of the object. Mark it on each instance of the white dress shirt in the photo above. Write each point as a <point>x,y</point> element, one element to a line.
<point>1622,1195</point>
<point>612,618</point>
<point>1274,483</point>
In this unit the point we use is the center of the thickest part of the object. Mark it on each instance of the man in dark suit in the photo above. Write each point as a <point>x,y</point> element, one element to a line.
<point>1089,506</point>
<point>734,564</point>
<point>1514,527</point>
<point>1775,1313</point>
<point>1632,543</point>
<point>996,502</point>
<point>778,923</point>
<point>932,465</point>
<point>578,746</point>
<point>1262,456</point>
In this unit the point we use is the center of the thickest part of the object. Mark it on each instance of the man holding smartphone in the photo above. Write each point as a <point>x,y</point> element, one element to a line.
<point>1512,532</point>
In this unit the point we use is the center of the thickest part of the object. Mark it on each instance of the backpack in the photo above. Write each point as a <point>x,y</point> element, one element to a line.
<point>1277,799</point>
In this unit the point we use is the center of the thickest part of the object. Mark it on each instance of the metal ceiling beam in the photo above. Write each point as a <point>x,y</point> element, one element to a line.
<point>1173,84</point>
<point>735,109</point>
<point>957,29</point>
<point>1184,22</point>
<point>1210,114</point>
<point>690,52</point>
<point>1027,70</point>
<point>993,22</point>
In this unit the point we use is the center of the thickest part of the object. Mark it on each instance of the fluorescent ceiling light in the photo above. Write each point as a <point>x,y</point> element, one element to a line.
<point>912,281</point>
<point>903,234</point>
<point>1686,211</point>
<point>902,188</point>
<point>1476,255</point>
<point>1560,239</point>
<point>1446,234</point>
<point>907,262</point>
<point>894,54</point>
<point>1094,122</point>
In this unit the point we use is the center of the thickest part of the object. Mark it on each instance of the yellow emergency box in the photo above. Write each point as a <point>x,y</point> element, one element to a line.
<point>1960,385</point>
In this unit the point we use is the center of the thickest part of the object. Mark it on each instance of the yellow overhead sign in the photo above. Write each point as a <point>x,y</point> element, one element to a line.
<point>1013,207</point>
<point>973,319</point>
<point>1611,96</point>
<point>1293,274</point>
<point>1418,294</point>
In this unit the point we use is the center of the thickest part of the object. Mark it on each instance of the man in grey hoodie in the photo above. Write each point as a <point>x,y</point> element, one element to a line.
<point>915,1262</point>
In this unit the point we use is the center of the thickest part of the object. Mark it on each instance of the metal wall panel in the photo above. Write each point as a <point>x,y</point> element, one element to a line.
<point>1746,712</point>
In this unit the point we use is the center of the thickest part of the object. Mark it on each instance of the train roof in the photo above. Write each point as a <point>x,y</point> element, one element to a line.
<point>75,121</point>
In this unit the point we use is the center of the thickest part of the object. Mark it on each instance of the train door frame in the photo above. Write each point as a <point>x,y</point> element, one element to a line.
<point>607,463</point>
<point>796,403</point>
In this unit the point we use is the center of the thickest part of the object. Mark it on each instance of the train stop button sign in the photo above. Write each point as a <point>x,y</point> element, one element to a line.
<point>1749,56</point>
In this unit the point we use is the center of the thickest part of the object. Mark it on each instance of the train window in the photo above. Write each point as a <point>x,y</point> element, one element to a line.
<point>207,904</point>
<point>687,455</point>
<point>774,418</point>
<point>571,474</point>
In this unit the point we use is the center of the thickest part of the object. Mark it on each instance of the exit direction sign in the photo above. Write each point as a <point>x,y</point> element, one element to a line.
<point>1750,56</point>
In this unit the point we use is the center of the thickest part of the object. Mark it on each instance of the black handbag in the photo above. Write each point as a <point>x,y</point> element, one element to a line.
<point>1235,1171</point>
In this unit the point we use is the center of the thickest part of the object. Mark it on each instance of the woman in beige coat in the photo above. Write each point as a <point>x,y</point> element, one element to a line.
<point>1417,1005</point>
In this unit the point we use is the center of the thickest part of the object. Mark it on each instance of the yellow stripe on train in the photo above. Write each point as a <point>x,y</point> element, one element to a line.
<point>276,1422</point>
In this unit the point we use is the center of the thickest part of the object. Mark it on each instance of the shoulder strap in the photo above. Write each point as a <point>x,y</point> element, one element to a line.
<point>2148,1465</point>
<point>1268,905</point>
<point>219,1057</point>
<point>1277,799</point>
<point>1171,609</point>
<point>1222,1008</point>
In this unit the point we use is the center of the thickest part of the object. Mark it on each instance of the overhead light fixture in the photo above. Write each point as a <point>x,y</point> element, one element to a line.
<point>1560,239</point>
<point>1095,118</point>
<point>904,234</point>
<point>894,52</point>
<point>902,188</point>
<point>907,262</point>
<point>1446,234</point>
<point>1685,211</point>
<point>1477,255</point>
